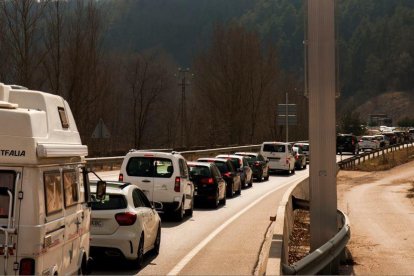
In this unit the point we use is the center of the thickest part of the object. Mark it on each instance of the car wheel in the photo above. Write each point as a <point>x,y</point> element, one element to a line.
<point>223,201</point>
<point>190,211</point>
<point>140,252</point>
<point>259,177</point>
<point>157,241</point>
<point>251,182</point>
<point>179,214</point>
<point>239,190</point>
<point>304,167</point>
<point>230,192</point>
<point>267,176</point>
<point>216,200</point>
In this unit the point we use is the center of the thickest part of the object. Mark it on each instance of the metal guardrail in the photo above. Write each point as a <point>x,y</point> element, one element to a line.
<point>116,161</point>
<point>359,158</point>
<point>319,259</point>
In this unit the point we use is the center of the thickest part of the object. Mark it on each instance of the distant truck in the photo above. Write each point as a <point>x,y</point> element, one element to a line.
<point>44,192</point>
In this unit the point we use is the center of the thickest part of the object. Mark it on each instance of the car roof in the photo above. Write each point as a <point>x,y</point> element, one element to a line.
<point>154,154</point>
<point>301,143</point>
<point>212,159</point>
<point>276,143</point>
<point>247,153</point>
<point>231,155</point>
<point>204,164</point>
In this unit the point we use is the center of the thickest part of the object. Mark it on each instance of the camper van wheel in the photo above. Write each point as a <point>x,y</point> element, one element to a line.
<point>140,253</point>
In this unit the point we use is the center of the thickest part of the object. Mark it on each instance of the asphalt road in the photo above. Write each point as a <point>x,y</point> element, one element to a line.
<point>213,242</point>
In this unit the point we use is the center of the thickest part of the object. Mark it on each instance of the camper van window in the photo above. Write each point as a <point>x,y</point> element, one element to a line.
<point>53,192</point>
<point>70,188</point>
<point>7,179</point>
<point>63,117</point>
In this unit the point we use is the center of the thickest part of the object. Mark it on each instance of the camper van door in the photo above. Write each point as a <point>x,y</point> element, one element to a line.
<point>11,180</point>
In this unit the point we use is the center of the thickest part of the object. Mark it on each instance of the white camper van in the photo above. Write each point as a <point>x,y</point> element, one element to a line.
<point>44,213</point>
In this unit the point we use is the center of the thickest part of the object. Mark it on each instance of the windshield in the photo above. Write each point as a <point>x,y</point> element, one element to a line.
<point>274,148</point>
<point>203,171</point>
<point>110,202</point>
<point>7,179</point>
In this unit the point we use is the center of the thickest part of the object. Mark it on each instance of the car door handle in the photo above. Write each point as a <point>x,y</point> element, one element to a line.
<point>146,181</point>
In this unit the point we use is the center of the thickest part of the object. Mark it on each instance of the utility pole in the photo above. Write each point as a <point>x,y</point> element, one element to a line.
<point>183,112</point>
<point>322,124</point>
<point>287,117</point>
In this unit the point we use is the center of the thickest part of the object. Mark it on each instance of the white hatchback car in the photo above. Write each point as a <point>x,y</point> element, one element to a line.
<point>163,177</point>
<point>124,223</point>
<point>280,156</point>
<point>368,142</point>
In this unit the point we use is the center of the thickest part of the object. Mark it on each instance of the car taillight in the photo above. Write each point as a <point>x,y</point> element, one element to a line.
<point>257,164</point>
<point>207,180</point>
<point>240,162</point>
<point>353,142</point>
<point>27,266</point>
<point>297,156</point>
<point>287,160</point>
<point>177,184</point>
<point>121,177</point>
<point>125,219</point>
<point>227,174</point>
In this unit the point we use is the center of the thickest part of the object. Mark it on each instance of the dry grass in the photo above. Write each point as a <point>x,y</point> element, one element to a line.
<point>387,161</point>
<point>299,240</point>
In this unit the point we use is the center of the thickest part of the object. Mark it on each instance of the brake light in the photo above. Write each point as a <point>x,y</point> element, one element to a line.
<point>27,266</point>
<point>121,177</point>
<point>227,174</point>
<point>240,162</point>
<point>207,180</point>
<point>353,142</point>
<point>125,219</point>
<point>177,184</point>
<point>296,156</point>
<point>257,164</point>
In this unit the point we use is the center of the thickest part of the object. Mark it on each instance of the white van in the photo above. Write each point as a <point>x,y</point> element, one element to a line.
<point>280,156</point>
<point>163,177</point>
<point>44,213</point>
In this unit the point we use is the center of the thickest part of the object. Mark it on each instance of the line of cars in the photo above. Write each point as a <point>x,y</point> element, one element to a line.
<point>126,223</point>
<point>354,144</point>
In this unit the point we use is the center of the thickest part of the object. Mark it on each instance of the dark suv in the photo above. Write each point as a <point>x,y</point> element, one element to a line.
<point>258,164</point>
<point>347,143</point>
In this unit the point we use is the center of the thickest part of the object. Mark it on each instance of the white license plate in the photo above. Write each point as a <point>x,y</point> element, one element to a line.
<point>97,223</point>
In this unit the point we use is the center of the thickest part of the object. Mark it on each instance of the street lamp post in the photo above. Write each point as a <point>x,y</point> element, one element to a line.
<point>183,112</point>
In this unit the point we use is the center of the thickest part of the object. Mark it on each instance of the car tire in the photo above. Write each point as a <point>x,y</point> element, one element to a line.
<point>251,182</point>
<point>179,214</point>
<point>267,176</point>
<point>239,190</point>
<point>304,167</point>
<point>223,201</point>
<point>260,177</point>
<point>216,201</point>
<point>140,252</point>
<point>157,242</point>
<point>190,211</point>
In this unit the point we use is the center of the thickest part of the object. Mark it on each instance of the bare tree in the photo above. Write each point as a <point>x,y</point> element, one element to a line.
<point>22,19</point>
<point>146,79</point>
<point>235,77</point>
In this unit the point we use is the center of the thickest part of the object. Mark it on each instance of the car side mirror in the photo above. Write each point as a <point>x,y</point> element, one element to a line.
<point>100,190</point>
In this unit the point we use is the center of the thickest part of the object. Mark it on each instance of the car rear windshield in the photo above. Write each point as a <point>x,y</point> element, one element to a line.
<point>150,167</point>
<point>222,166</point>
<point>251,158</point>
<point>203,171</point>
<point>344,139</point>
<point>273,148</point>
<point>7,179</point>
<point>304,147</point>
<point>110,202</point>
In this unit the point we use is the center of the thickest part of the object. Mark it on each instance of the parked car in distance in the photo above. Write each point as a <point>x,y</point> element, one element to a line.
<point>347,143</point>
<point>305,148</point>
<point>240,163</point>
<point>411,134</point>
<point>209,185</point>
<point>368,143</point>
<point>391,137</point>
<point>300,158</point>
<point>383,140</point>
<point>280,156</point>
<point>162,177</point>
<point>229,173</point>
<point>124,224</point>
<point>258,163</point>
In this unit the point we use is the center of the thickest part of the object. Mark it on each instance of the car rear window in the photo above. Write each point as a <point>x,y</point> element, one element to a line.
<point>274,148</point>
<point>222,166</point>
<point>110,202</point>
<point>304,147</point>
<point>150,167</point>
<point>200,171</point>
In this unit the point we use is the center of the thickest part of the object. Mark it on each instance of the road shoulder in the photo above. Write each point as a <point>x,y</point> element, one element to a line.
<point>380,206</point>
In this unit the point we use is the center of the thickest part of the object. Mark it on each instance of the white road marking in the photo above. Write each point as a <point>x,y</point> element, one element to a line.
<point>184,261</point>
